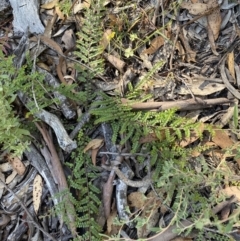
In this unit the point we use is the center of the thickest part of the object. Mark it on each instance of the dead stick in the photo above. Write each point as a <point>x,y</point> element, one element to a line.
<point>191,104</point>
<point>61,179</point>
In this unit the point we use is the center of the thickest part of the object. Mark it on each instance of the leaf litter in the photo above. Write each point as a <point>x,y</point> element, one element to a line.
<point>198,45</point>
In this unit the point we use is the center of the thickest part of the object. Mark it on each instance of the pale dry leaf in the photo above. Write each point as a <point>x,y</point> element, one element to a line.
<point>50,5</point>
<point>11,177</point>
<point>68,39</point>
<point>230,63</point>
<point>214,19</point>
<point>93,144</point>
<point>107,36</point>
<point>212,40</point>
<point>195,8</point>
<point>94,156</point>
<point>155,45</point>
<point>197,90</point>
<point>37,192</point>
<point>17,164</point>
<point>230,191</point>
<point>6,167</point>
<point>79,5</point>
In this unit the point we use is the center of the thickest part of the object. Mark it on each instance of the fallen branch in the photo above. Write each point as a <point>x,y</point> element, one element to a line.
<point>191,104</point>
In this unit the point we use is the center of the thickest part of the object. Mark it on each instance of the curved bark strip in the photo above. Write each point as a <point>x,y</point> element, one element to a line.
<point>121,195</point>
<point>64,141</point>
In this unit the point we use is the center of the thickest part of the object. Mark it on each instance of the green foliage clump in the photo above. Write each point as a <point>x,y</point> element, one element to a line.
<point>87,200</point>
<point>166,127</point>
<point>13,136</point>
<point>88,46</point>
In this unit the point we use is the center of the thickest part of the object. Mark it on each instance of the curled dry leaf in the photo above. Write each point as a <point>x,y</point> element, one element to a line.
<point>222,139</point>
<point>195,8</point>
<point>230,62</point>
<point>93,144</point>
<point>155,45</point>
<point>37,192</point>
<point>115,61</point>
<point>17,164</point>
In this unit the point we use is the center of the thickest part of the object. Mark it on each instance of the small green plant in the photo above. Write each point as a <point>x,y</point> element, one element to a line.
<point>13,137</point>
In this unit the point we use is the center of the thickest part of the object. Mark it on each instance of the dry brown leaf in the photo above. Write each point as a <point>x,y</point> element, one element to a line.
<point>195,8</point>
<point>190,54</point>
<point>193,136</point>
<point>37,192</point>
<point>155,45</point>
<point>115,61</point>
<point>181,50</point>
<point>59,13</point>
<point>50,5</point>
<point>107,36</point>
<point>49,43</point>
<point>222,139</point>
<point>212,40</point>
<point>94,156</point>
<point>148,138</point>
<point>111,228</point>
<point>214,19</point>
<point>230,62</point>
<point>93,144</point>
<point>17,164</point>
